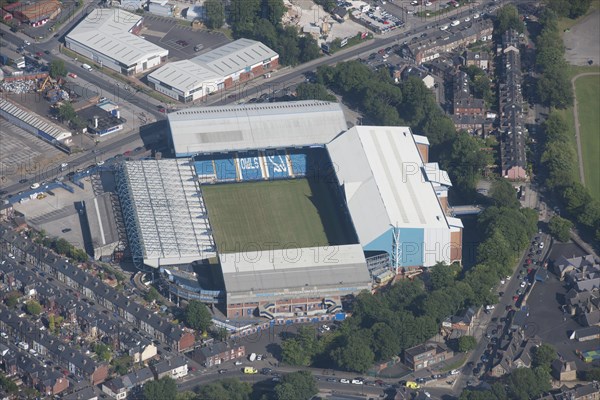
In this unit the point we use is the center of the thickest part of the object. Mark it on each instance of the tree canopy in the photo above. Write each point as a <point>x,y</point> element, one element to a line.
<point>466,343</point>
<point>225,389</point>
<point>57,69</point>
<point>162,389</point>
<point>197,316</point>
<point>543,355</point>
<point>299,385</point>
<point>261,20</point>
<point>33,308</point>
<point>215,13</point>
<point>507,18</point>
<point>560,228</point>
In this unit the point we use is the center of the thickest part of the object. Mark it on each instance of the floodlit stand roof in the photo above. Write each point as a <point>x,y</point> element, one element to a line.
<point>285,272</point>
<point>170,216</point>
<point>108,32</point>
<point>255,126</point>
<point>384,181</point>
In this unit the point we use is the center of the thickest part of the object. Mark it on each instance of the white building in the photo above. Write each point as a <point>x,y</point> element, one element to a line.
<point>109,37</point>
<point>395,197</point>
<point>221,68</point>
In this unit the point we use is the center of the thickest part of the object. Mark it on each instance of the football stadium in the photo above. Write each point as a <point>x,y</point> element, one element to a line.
<point>280,211</point>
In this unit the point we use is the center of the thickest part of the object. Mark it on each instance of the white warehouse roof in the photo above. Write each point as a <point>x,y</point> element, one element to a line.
<point>108,31</point>
<point>34,121</point>
<point>381,171</point>
<point>255,126</point>
<point>235,56</point>
<point>186,75</point>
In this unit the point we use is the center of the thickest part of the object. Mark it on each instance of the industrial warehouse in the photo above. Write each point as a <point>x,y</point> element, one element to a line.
<point>238,61</point>
<point>254,218</point>
<point>109,37</point>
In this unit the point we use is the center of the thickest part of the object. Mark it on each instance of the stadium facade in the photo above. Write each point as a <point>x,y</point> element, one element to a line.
<point>391,202</point>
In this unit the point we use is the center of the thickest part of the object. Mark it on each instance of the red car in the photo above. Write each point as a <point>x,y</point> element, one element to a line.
<point>515,298</point>
<point>127,153</point>
<point>72,75</point>
<point>528,261</point>
<point>39,54</point>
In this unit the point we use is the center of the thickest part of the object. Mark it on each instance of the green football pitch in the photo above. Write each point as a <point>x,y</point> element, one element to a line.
<point>293,213</point>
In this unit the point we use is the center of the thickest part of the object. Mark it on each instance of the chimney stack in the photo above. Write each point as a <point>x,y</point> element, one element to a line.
<point>95,122</point>
<point>118,113</point>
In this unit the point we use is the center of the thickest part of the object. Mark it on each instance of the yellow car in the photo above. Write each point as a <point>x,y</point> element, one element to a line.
<point>412,385</point>
<point>250,370</point>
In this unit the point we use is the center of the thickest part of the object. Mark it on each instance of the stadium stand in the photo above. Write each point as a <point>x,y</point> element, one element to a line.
<point>277,164</point>
<point>257,165</point>
<point>250,167</point>
<point>298,162</point>
<point>225,169</point>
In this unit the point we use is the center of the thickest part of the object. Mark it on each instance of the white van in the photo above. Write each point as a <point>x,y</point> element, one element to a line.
<point>86,67</point>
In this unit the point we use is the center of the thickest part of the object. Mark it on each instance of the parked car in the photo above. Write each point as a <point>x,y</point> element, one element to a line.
<point>344,380</point>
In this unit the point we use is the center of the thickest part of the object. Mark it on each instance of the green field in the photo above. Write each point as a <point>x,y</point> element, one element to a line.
<point>587,90</point>
<point>273,215</point>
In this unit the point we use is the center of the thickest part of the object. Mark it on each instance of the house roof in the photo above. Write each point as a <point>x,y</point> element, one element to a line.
<point>170,364</point>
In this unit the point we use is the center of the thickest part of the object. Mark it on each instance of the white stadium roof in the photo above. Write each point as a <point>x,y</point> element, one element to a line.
<point>235,56</point>
<point>305,269</point>
<point>171,218</point>
<point>255,126</point>
<point>107,31</point>
<point>381,171</point>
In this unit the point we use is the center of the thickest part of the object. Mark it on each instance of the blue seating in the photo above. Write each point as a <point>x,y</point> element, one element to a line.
<point>204,168</point>
<point>225,169</point>
<point>298,161</point>
<point>277,165</point>
<point>250,166</point>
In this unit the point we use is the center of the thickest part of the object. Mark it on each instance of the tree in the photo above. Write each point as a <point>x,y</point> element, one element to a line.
<point>543,355</point>
<point>299,385</point>
<point>273,10</point>
<point>385,342</point>
<point>162,389</point>
<point>466,343</point>
<point>592,375</point>
<point>66,112</point>
<point>152,295</point>
<point>122,364</point>
<point>526,383</point>
<point>560,228</point>
<point>103,351</point>
<point>300,349</point>
<point>12,299</point>
<point>8,384</point>
<point>508,18</point>
<point>226,389</point>
<point>215,14</point>
<point>503,194</point>
<point>355,354</point>
<point>442,276</point>
<point>313,91</point>
<point>33,308</point>
<point>57,69</point>
<point>197,316</point>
